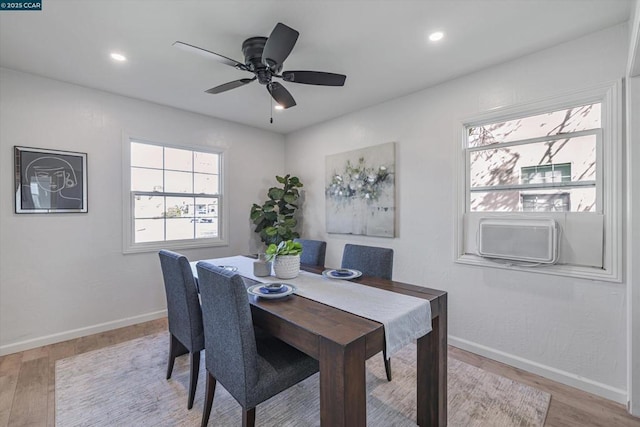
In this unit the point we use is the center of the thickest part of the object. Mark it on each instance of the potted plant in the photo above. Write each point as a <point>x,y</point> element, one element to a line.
<point>286,258</point>
<point>274,220</point>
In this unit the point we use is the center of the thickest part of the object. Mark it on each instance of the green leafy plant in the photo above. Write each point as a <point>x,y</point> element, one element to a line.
<point>274,220</point>
<point>286,247</point>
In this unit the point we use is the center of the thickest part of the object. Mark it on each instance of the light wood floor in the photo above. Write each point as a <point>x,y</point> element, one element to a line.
<point>27,383</point>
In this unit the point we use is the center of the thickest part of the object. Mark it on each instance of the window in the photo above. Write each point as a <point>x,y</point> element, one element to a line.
<point>536,202</point>
<point>559,159</point>
<point>533,201</point>
<point>174,197</point>
<point>516,161</point>
<point>546,173</point>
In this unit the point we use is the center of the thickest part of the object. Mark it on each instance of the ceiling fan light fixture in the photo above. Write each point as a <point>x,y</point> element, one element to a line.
<point>118,57</point>
<point>436,36</point>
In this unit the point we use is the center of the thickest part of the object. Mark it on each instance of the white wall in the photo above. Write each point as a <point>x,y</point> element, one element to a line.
<point>64,275</point>
<point>567,329</point>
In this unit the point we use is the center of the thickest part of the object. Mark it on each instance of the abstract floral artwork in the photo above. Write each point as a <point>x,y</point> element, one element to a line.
<point>360,191</point>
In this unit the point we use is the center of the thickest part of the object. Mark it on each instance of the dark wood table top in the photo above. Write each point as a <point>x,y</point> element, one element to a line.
<point>307,320</point>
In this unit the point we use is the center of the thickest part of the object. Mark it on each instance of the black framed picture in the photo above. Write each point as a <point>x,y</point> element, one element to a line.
<point>50,181</point>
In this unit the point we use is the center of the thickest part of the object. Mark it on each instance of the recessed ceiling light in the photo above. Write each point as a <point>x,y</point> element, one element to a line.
<point>118,57</point>
<point>434,37</point>
<point>279,107</point>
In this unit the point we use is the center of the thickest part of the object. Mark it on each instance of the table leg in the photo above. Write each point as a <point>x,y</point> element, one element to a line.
<point>432,373</point>
<point>343,389</point>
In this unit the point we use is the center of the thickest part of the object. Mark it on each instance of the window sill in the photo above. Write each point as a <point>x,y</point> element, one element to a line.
<point>173,245</point>
<point>573,271</point>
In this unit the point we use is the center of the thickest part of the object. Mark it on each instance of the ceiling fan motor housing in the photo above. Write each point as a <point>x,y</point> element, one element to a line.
<point>252,49</point>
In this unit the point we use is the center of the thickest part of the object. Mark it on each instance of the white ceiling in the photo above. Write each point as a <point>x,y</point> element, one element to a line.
<point>381,46</point>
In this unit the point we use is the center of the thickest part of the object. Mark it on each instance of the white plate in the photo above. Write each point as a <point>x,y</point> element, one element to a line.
<point>255,291</point>
<point>230,268</point>
<point>329,274</point>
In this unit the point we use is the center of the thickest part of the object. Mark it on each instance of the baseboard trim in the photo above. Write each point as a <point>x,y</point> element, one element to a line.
<point>567,378</point>
<point>80,332</point>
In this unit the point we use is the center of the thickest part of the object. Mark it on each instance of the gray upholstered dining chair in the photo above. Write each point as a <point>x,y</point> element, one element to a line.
<point>313,252</point>
<point>252,368</point>
<point>374,262</point>
<point>185,315</point>
<point>371,261</point>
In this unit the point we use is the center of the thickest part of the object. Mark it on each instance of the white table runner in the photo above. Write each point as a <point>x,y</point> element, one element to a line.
<point>404,317</point>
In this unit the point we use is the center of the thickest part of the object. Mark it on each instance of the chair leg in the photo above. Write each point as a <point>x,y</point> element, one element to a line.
<point>208,399</point>
<point>193,381</point>
<point>175,349</point>
<point>249,418</point>
<point>387,364</point>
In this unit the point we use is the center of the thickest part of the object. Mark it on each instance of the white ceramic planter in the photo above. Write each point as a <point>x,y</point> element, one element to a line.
<point>286,266</point>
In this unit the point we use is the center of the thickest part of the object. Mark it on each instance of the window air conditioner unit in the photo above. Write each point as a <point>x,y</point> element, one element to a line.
<point>530,240</point>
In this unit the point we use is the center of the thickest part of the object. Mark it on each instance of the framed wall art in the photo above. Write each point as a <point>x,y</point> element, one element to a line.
<point>360,191</point>
<point>50,181</point>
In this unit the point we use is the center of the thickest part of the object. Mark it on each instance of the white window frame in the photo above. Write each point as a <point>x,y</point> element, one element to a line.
<point>128,221</point>
<point>609,189</point>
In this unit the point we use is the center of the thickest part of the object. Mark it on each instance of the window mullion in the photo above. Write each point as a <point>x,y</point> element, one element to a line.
<point>162,193</point>
<point>193,190</point>
<point>548,138</point>
<point>541,186</point>
<point>599,172</point>
<point>164,198</point>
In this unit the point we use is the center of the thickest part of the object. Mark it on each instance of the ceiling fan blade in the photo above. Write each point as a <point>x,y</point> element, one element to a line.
<point>210,55</point>
<point>314,78</point>
<point>281,95</point>
<point>279,45</point>
<point>228,86</point>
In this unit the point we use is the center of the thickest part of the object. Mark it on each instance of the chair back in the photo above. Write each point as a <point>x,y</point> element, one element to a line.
<point>230,343</point>
<point>183,305</point>
<point>371,261</point>
<point>313,252</point>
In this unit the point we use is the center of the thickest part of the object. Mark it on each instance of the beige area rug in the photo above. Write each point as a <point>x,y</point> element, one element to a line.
<point>124,385</point>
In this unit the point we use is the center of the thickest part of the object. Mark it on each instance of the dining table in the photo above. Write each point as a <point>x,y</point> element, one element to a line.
<point>342,341</point>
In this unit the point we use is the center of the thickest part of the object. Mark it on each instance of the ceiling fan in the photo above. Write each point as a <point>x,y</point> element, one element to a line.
<point>264,57</point>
